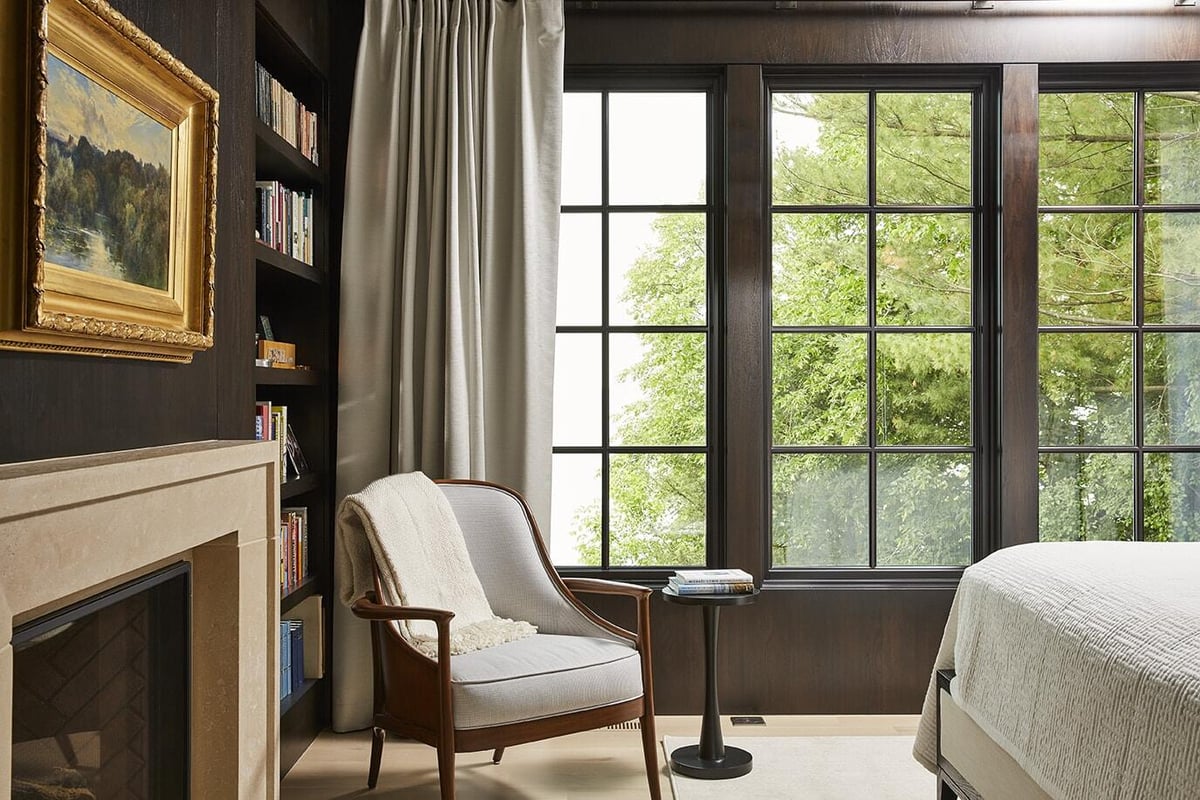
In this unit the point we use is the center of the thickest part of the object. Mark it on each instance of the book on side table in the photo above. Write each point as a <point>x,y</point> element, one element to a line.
<point>711,581</point>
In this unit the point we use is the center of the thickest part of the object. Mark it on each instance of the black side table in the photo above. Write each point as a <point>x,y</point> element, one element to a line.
<point>711,759</point>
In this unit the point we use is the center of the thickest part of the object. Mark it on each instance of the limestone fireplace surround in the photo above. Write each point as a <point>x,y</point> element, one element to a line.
<point>72,527</point>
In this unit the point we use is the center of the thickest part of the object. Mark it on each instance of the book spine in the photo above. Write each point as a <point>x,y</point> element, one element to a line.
<point>713,588</point>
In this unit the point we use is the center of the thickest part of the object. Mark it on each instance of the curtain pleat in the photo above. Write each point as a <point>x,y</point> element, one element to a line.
<point>449,260</point>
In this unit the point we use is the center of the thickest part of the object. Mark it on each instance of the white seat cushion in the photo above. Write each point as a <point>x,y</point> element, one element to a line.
<point>541,676</point>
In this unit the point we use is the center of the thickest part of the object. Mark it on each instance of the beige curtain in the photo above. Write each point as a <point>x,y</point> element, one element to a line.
<point>449,261</point>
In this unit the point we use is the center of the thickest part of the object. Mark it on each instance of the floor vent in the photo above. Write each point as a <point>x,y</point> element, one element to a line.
<point>631,725</point>
<point>748,721</point>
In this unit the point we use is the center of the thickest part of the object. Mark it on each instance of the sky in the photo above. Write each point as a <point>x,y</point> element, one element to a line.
<point>76,105</point>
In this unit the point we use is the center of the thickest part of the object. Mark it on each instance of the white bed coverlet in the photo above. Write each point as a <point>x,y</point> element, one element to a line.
<point>1082,660</point>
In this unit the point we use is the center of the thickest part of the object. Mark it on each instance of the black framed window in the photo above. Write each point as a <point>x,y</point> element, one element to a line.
<point>633,456</point>
<point>880,229</point>
<point>1119,313</point>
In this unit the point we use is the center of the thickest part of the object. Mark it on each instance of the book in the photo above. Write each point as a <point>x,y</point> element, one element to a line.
<point>285,659</point>
<point>279,421</point>
<point>686,576</point>
<point>711,588</point>
<point>296,643</point>
<point>262,421</point>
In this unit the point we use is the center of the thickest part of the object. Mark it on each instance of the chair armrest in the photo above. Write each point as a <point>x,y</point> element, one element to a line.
<point>640,594</point>
<point>598,586</point>
<point>365,608</point>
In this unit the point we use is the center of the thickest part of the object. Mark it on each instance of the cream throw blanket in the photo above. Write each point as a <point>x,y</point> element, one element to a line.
<point>1082,661</point>
<point>405,525</point>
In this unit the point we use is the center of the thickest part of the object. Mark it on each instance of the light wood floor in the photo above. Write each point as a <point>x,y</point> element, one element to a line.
<point>596,764</point>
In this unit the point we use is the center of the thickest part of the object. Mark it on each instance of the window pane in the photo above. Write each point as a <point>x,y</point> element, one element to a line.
<point>924,510</point>
<point>1085,269</point>
<point>579,269</point>
<point>657,509</point>
<point>577,389</point>
<point>1086,149</point>
<point>581,145</point>
<point>923,269</point>
<point>923,144</point>
<point>1172,388</point>
<point>1172,497</point>
<point>657,385</point>
<point>1173,147</point>
<point>1085,386</point>
<point>1173,269</point>
<point>819,510</point>
<point>923,388</point>
<point>1085,496</point>
<point>819,274</point>
<point>575,510</point>
<point>657,147</point>
<point>657,269</point>
<point>819,149</point>
<point>819,388</point>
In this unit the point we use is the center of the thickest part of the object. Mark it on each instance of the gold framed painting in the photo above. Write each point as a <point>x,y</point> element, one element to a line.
<point>107,187</point>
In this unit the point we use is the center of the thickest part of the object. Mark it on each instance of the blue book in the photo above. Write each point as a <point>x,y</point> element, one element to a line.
<point>285,659</point>
<point>296,643</point>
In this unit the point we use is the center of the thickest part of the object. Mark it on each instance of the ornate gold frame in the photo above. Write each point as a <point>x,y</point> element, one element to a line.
<point>44,306</point>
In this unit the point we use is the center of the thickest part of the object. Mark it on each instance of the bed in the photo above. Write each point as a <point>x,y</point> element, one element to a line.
<point>1070,671</point>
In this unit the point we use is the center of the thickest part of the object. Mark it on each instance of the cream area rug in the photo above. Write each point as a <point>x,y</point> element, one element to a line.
<point>814,768</point>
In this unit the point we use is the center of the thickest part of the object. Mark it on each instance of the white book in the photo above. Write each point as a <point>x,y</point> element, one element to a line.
<point>713,576</point>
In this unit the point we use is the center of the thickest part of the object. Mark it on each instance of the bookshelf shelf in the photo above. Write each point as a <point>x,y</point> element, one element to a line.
<point>287,703</point>
<point>301,484</point>
<point>306,589</point>
<point>276,376</point>
<point>275,159</point>
<point>267,259</point>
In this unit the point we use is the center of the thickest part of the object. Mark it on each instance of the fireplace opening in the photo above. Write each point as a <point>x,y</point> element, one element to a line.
<point>101,695</point>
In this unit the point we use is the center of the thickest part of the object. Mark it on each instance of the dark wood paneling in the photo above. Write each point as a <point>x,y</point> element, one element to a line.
<point>307,25</point>
<point>876,33</point>
<point>813,651</point>
<point>745,323</point>
<point>1018,504</point>
<point>54,405</point>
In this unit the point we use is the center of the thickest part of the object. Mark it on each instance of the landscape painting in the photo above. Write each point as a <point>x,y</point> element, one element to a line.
<point>108,182</point>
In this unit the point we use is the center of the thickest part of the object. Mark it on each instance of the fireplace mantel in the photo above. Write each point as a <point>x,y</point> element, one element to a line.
<point>72,527</point>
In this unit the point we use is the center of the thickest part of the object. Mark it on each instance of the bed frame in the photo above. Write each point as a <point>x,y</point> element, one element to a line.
<point>971,766</point>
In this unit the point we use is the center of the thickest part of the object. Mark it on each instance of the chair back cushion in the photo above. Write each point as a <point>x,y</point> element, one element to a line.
<point>501,544</point>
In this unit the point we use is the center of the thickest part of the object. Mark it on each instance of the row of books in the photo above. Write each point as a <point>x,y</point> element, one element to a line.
<point>711,581</point>
<point>271,424</point>
<point>293,548</point>
<point>283,219</point>
<point>286,115</point>
<point>291,656</point>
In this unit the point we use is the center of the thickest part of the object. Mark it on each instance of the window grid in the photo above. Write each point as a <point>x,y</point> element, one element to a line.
<point>1138,327</point>
<point>605,329</point>
<point>872,209</point>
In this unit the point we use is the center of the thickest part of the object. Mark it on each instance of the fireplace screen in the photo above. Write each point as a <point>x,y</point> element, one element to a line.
<point>100,695</point>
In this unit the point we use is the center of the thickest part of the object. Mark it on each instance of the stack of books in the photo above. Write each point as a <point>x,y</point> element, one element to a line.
<point>711,581</point>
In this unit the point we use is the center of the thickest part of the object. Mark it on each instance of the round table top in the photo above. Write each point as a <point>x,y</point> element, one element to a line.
<point>741,599</point>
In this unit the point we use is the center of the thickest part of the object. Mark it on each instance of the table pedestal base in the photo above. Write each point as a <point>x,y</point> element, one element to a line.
<point>687,761</point>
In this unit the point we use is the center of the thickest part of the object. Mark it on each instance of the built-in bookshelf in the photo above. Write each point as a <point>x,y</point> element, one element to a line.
<point>295,306</point>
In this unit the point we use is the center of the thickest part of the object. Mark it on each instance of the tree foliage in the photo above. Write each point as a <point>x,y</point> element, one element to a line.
<point>113,194</point>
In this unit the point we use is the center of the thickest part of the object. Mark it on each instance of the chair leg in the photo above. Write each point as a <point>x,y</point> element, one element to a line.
<point>499,754</point>
<point>446,770</point>
<point>650,751</point>
<point>376,756</point>
<point>944,790</point>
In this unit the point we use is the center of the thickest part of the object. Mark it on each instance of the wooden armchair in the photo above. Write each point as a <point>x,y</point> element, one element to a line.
<point>577,673</point>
